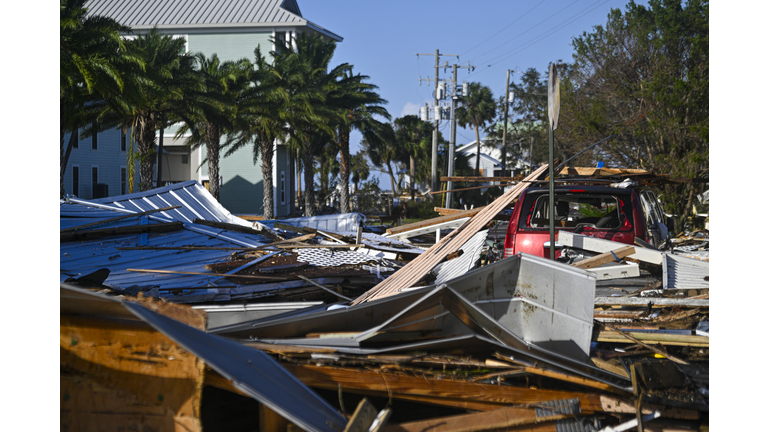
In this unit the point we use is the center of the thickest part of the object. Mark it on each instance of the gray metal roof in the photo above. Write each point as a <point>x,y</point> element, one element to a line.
<point>145,14</point>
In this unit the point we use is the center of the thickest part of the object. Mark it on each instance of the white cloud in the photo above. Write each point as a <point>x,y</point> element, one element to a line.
<point>410,108</point>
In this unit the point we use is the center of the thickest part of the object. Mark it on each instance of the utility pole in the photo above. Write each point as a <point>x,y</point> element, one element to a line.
<point>435,183</point>
<point>504,136</point>
<point>452,144</point>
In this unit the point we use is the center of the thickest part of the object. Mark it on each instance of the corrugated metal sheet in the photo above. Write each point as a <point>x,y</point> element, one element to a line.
<point>148,13</point>
<point>195,201</point>
<point>685,273</point>
<point>458,266</point>
<point>335,222</point>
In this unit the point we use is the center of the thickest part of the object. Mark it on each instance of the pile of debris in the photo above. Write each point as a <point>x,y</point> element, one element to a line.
<point>358,331</point>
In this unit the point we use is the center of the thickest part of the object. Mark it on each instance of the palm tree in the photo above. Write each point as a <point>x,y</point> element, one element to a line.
<point>360,169</point>
<point>478,108</point>
<point>413,138</point>
<point>153,100</point>
<point>383,153</point>
<point>359,104</point>
<point>92,61</point>
<point>310,87</point>
<point>211,109</point>
<point>259,120</point>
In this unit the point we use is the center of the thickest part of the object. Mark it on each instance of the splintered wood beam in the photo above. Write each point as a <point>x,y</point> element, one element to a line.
<point>128,216</point>
<point>497,419</point>
<point>461,394</point>
<point>652,348</point>
<point>442,211</point>
<point>434,221</point>
<point>604,258</point>
<point>112,232</point>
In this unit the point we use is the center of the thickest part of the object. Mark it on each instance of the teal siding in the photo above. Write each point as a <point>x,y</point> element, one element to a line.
<point>242,190</point>
<point>107,157</point>
<point>231,46</point>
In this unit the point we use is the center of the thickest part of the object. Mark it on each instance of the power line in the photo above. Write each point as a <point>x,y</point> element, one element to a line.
<point>530,29</point>
<point>494,35</point>
<point>541,37</point>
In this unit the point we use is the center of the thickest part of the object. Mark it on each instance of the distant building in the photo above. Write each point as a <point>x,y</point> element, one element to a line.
<point>490,160</point>
<point>232,29</point>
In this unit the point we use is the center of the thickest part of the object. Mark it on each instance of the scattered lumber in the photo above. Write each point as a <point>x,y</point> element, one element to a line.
<point>207,274</point>
<point>434,221</point>
<point>605,258</point>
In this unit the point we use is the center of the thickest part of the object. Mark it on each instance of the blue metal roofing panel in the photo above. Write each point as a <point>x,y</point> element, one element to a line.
<point>195,201</point>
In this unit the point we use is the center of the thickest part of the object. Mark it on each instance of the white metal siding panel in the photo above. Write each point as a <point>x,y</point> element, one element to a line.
<point>230,46</point>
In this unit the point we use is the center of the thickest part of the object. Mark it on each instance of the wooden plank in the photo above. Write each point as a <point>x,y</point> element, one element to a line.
<point>111,232</point>
<point>270,421</point>
<point>496,419</point>
<point>115,219</point>
<point>604,258</point>
<point>611,366</point>
<point>461,394</point>
<point>579,241</point>
<point>652,348</point>
<point>434,221</point>
<point>645,301</point>
<point>441,392</point>
<point>472,188</point>
<point>647,339</point>
<point>412,272</point>
<point>208,274</point>
<point>362,418</point>
<point>574,379</point>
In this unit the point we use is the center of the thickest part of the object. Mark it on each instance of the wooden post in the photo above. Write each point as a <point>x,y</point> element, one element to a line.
<point>270,421</point>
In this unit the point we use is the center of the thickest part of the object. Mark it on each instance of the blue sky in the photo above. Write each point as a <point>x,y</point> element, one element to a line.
<point>381,39</point>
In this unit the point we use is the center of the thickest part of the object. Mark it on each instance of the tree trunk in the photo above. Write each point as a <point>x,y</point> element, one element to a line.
<point>309,193</point>
<point>298,174</point>
<point>413,177</point>
<point>146,132</point>
<point>392,179</point>
<point>477,138</point>
<point>267,152</point>
<point>344,172</point>
<point>212,136</point>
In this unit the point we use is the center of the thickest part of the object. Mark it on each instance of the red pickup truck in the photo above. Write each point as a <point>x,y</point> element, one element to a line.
<point>611,213</point>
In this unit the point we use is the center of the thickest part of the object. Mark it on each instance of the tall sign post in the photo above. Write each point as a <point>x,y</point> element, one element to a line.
<point>553,105</point>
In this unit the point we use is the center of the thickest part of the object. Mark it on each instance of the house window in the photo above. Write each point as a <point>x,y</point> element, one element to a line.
<point>123,180</point>
<point>185,159</point>
<point>183,36</point>
<point>282,187</point>
<point>123,146</point>
<point>94,179</point>
<point>94,138</point>
<point>75,180</point>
